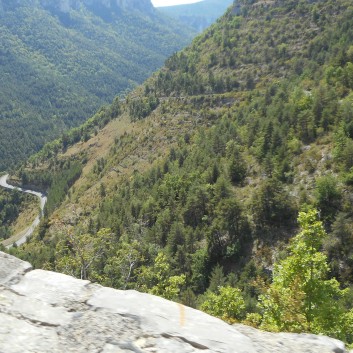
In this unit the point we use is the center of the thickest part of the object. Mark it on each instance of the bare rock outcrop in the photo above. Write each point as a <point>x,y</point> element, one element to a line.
<point>42,311</point>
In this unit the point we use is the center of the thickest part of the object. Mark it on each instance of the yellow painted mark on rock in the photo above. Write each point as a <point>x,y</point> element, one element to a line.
<point>182,314</point>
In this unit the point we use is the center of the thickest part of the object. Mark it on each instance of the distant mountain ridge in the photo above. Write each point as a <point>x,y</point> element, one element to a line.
<point>61,60</point>
<point>127,5</point>
<point>67,5</point>
<point>198,15</point>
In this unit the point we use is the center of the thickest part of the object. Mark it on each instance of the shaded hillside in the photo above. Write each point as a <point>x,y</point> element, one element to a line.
<point>199,15</point>
<point>192,186</point>
<point>12,205</point>
<point>59,64</point>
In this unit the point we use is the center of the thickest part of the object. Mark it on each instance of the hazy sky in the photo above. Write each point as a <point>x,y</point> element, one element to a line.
<point>172,2</point>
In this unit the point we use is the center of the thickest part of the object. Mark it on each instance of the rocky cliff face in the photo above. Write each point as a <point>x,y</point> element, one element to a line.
<point>43,311</point>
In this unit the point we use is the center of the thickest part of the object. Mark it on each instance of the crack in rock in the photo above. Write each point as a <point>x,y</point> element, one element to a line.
<point>193,344</point>
<point>47,312</point>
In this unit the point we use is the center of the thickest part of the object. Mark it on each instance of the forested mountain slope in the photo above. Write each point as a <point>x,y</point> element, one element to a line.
<point>60,61</point>
<point>192,187</point>
<point>198,15</point>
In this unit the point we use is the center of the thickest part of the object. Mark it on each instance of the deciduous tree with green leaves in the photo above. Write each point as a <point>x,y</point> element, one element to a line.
<point>228,304</point>
<point>301,297</point>
<point>121,266</point>
<point>79,255</point>
<point>157,279</point>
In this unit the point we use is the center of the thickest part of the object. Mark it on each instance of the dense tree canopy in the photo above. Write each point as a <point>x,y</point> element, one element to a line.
<point>58,68</point>
<point>301,296</point>
<point>224,146</point>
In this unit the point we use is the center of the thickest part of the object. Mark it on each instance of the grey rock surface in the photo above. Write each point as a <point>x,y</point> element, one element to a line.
<point>43,311</point>
<point>12,269</point>
<point>290,342</point>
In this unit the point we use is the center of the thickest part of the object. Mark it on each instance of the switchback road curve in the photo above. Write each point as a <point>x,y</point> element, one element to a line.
<point>29,231</point>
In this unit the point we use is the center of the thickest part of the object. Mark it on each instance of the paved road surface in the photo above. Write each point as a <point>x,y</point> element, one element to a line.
<point>43,200</point>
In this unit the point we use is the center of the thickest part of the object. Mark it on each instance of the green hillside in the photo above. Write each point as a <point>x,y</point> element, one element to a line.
<point>12,205</point>
<point>58,67</point>
<point>225,180</point>
<point>198,15</point>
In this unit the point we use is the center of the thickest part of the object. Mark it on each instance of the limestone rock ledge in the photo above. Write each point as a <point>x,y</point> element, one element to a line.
<point>43,311</point>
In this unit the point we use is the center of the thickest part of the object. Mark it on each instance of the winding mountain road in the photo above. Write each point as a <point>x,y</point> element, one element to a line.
<point>29,231</point>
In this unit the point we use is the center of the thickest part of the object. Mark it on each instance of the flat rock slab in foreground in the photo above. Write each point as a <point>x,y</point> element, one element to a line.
<point>43,311</point>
